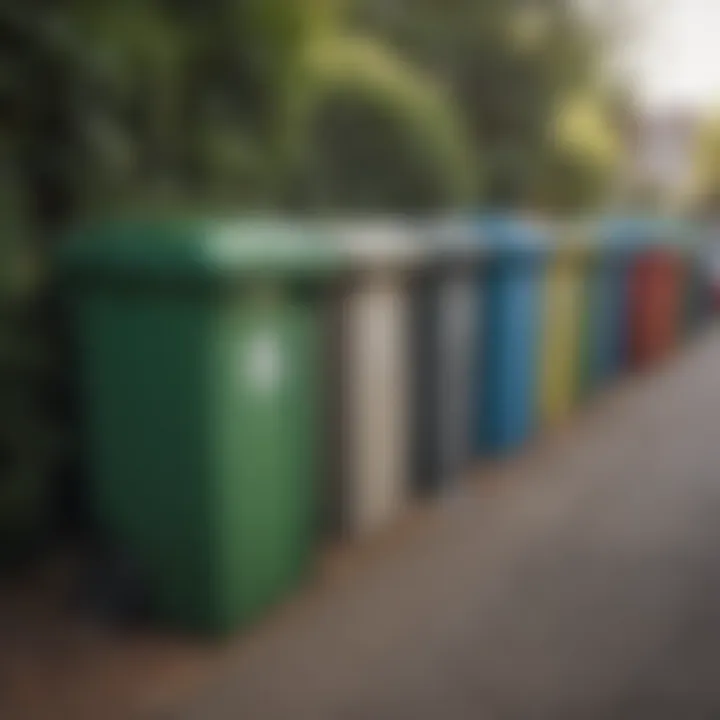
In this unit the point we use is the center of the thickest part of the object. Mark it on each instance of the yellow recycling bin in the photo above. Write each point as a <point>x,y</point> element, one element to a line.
<point>564,300</point>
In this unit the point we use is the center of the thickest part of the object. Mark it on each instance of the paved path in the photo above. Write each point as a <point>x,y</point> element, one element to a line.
<point>581,581</point>
<point>578,582</point>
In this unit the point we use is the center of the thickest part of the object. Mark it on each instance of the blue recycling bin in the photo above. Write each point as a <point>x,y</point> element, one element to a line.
<point>509,302</point>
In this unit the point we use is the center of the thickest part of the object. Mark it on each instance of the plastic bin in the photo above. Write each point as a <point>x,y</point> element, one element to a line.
<point>371,433</point>
<point>596,323</point>
<point>697,288</point>
<point>508,297</point>
<point>656,298</point>
<point>605,307</point>
<point>620,241</point>
<point>444,307</point>
<point>564,305</point>
<point>200,349</point>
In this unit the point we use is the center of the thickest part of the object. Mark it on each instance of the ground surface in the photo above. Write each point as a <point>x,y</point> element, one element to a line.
<point>580,581</point>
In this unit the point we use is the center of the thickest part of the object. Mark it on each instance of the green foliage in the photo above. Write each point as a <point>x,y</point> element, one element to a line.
<point>380,134</point>
<point>508,64</point>
<point>580,159</point>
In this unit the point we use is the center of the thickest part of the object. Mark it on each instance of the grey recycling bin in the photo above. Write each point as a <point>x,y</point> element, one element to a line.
<point>370,387</point>
<point>445,330</point>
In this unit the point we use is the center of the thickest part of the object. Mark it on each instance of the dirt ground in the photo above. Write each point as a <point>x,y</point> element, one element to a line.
<point>578,581</point>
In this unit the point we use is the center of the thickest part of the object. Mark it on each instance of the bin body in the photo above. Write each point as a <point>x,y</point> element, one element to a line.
<point>692,298</point>
<point>444,330</point>
<point>565,299</point>
<point>620,243</point>
<point>656,304</point>
<point>371,334</point>
<point>604,317</point>
<point>194,377</point>
<point>697,290</point>
<point>620,355</point>
<point>508,296</point>
<point>596,327</point>
<point>457,342</point>
<point>425,375</point>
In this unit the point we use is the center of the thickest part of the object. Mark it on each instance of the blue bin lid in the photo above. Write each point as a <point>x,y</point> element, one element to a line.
<point>513,237</point>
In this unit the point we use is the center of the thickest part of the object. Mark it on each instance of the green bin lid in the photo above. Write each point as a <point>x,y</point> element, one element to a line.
<point>207,249</point>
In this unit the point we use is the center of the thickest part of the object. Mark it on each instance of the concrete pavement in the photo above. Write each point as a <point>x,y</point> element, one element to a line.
<point>581,581</point>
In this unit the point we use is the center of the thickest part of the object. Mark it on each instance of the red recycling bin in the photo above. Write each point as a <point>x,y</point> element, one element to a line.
<point>656,289</point>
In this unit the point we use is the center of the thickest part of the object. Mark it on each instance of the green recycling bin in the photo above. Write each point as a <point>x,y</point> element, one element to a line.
<point>201,359</point>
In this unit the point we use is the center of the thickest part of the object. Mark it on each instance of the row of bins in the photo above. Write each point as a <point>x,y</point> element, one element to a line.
<point>253,387</point>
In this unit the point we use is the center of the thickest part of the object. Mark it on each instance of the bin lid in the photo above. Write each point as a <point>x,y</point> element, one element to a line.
<point>376,244</point>
<point>681,234</point>
<point>453,239</point>
<point>671,234</point>
<point>627,236</point>
<point>508,237</point>
<point>572,239</point>
<point>196,249</point>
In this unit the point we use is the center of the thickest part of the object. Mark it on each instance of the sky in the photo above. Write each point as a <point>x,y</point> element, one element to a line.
<point>674,54</point>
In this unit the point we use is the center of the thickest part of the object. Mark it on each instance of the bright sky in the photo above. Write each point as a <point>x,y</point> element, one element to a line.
<point>676,53</point>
